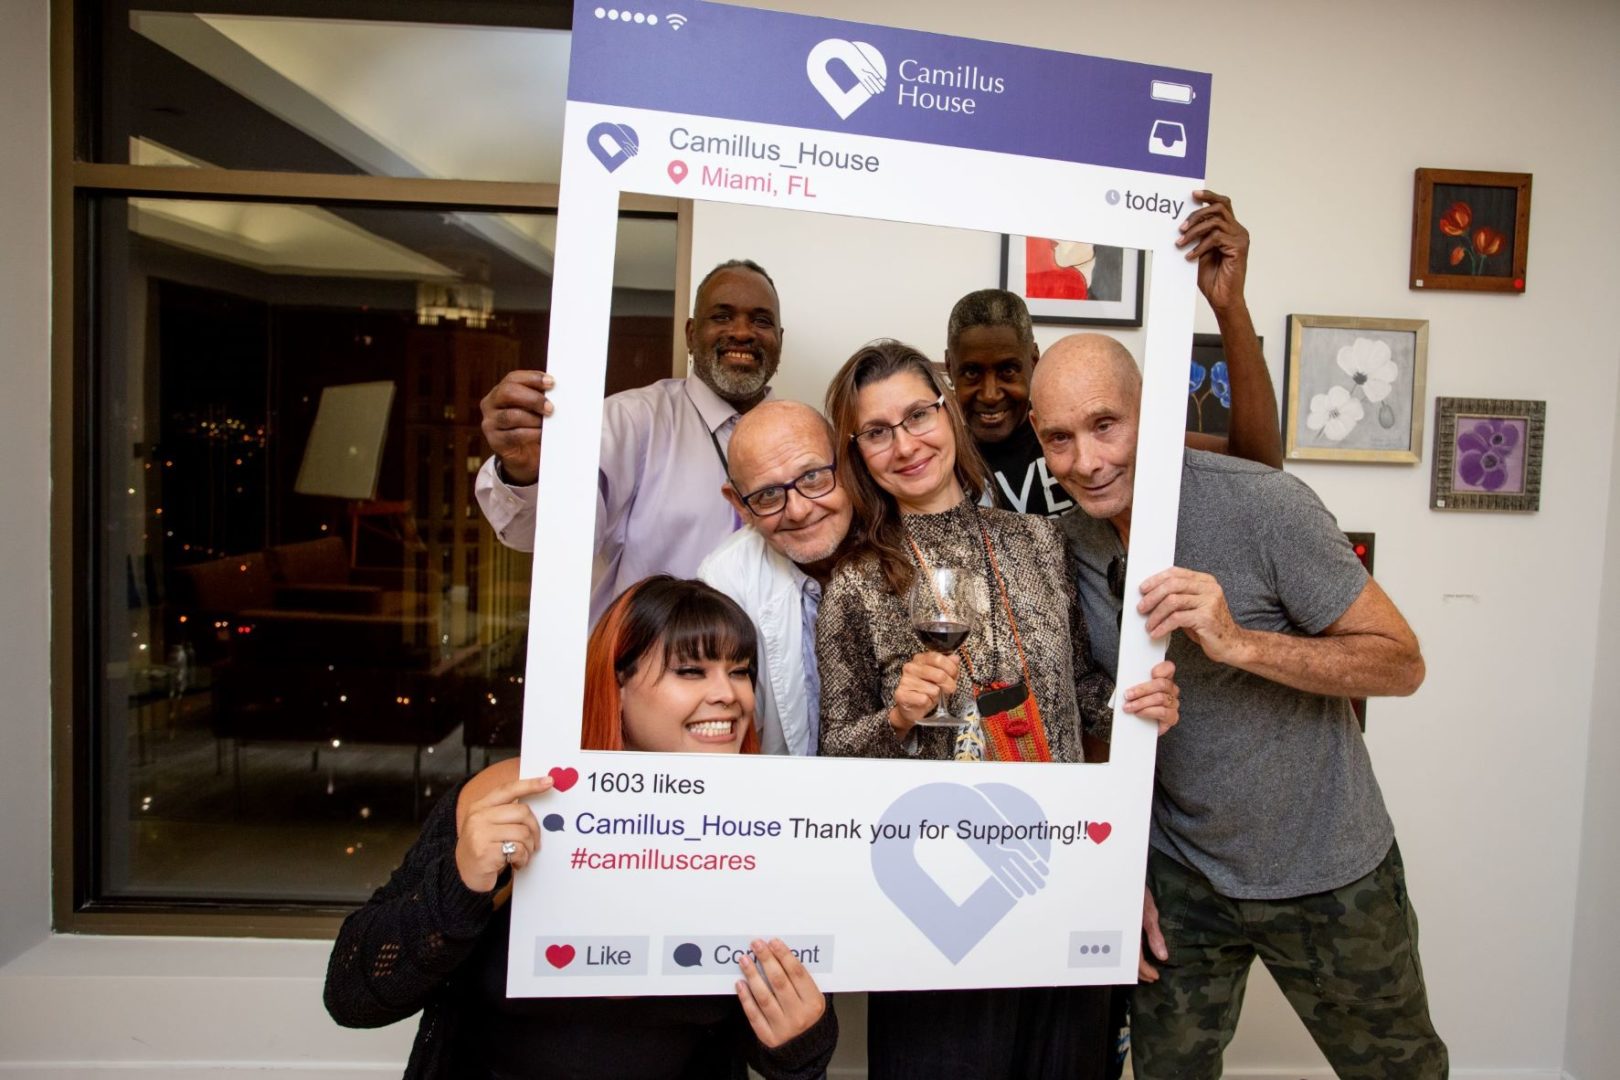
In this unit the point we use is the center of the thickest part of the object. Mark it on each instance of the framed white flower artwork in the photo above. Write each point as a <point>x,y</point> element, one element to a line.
<point>1353,388</point>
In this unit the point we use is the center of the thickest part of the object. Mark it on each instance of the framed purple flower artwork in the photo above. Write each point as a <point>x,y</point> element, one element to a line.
<point>1487,454</point>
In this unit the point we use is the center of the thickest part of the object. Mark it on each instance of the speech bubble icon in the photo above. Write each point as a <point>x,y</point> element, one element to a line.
<point>553,823</point>
<point>687,954</point>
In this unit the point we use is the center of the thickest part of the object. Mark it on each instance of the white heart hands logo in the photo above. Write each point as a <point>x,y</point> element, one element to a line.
<point>1001,816</point>
<point>861,60</point>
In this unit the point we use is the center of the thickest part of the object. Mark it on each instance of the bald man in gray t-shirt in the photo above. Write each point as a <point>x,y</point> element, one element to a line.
<point>1269,835</point>
<point>1285,568</point>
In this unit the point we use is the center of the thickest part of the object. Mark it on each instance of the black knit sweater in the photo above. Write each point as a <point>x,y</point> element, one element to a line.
<point>425,942</point>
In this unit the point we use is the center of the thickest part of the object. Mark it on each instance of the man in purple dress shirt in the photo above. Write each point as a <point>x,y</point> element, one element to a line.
<point>658,508</point>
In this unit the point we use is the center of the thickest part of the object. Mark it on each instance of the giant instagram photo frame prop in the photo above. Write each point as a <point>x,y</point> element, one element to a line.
<point>882,875</point>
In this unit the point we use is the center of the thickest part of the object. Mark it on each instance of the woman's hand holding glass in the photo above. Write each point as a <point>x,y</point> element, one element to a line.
<point>945,604</point>
<point>927,680</point>
<point>779,997</point>
<point>1157,699</point>
<point>492,821</point>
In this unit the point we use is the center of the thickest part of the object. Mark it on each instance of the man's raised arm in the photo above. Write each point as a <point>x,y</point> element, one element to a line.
<point>512,414</point>
<point>1214,237</point>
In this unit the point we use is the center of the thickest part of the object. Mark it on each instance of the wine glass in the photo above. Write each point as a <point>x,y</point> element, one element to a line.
<point>943,610</point>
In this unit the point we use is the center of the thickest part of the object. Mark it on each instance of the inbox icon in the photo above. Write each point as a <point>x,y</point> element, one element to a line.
<point>1168,139</point>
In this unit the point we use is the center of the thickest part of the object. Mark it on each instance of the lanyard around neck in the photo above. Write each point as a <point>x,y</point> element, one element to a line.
<point>714,440</point>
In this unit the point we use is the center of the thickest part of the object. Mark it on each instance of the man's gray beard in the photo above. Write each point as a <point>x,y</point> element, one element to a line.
<point>805,558</point>
<point>730,385</point>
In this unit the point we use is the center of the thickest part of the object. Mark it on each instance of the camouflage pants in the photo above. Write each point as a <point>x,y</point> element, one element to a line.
<point>1347,960</point>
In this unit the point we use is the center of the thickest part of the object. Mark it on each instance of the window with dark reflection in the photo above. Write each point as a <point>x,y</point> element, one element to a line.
<point>306,630</point>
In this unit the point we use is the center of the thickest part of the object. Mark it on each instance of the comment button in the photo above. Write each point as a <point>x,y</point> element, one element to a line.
<point>698,954</point>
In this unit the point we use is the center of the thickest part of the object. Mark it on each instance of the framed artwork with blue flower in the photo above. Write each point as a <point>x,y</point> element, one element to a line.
<point>1353,389</point>
<point>1487,454</point>
<point>1209,389</point>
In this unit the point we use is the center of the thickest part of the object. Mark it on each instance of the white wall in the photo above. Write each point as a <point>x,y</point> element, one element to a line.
<point>25,449</point>
<point>1593,1048</point>
<point>844,281</point>
<point>1320,114</point>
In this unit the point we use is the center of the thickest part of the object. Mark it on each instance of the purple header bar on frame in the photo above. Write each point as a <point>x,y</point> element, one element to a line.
<point>734,63</point>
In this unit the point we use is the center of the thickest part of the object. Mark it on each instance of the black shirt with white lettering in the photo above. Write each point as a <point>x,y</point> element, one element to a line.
<point>1020,479</point>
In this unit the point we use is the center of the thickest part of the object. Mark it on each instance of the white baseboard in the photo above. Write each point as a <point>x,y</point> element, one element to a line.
<point>87,1070</point>
<point>192,1070</point>
<point>1457,1074</point>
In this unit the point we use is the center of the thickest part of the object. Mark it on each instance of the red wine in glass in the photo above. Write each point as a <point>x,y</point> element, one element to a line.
<point>942,609</point>
<point>941,635</point>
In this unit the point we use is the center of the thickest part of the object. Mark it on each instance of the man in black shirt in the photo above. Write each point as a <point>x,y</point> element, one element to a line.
<point>991,352</point>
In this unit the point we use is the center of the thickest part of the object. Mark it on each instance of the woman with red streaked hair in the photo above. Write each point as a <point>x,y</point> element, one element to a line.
<point>706,666</point>
<point>670,667</point>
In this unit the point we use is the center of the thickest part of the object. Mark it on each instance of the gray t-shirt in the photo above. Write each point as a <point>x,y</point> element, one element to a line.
<point>1265,790</point>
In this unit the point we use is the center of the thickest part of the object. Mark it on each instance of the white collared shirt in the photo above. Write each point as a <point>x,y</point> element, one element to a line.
<point>770,587</point>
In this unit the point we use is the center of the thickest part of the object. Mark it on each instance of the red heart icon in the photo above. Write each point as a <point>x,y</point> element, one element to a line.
<point>1098,831</point>
<point>559,956</point>
<point>564,778</point>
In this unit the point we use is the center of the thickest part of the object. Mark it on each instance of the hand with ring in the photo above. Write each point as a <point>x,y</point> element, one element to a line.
<point>498,831</point>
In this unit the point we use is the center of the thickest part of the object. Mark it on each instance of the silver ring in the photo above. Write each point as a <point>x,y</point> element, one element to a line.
<point>508,849</point>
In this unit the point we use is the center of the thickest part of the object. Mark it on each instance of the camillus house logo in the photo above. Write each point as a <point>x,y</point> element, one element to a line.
<point>861,60</point>
<point>613,144</point>
<point>1015,851</point>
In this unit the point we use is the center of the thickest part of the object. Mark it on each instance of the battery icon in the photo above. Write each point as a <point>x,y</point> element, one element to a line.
<point>1179,93</point>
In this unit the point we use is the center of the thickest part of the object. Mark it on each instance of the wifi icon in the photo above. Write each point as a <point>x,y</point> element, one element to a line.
<point>676,20</point>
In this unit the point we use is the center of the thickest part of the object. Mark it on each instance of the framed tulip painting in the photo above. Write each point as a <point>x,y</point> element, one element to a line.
<point>1470,230</point>
<point>1487,454</point>
<point>1353,388</point>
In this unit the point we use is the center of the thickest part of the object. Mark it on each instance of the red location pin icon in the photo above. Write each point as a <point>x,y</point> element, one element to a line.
<point>677,171</point>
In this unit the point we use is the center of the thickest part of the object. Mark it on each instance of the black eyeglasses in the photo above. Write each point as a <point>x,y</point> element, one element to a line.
<point>919,421</point>
<point>814,484</point>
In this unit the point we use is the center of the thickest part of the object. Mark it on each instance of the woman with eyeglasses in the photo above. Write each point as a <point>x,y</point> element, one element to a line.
<point>916,481</point>
<point>1016,657</point>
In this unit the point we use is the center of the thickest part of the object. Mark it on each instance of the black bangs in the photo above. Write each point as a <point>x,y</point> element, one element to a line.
<point>703,629</point>
<point>692,621</point>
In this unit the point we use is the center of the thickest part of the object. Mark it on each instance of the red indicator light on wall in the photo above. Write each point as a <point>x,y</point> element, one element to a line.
<point>1362,543</point>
